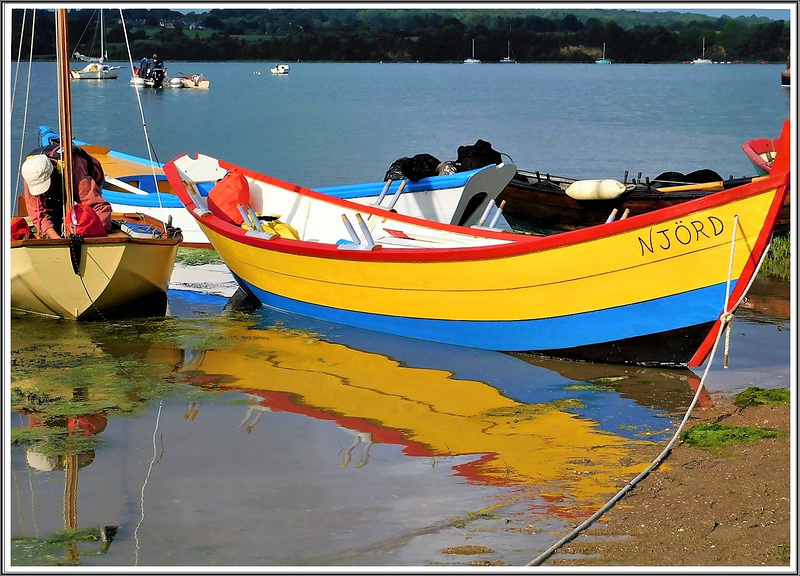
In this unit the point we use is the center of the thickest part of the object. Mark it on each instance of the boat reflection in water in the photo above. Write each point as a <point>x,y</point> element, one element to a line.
<point>523,424</point>
<point>556,438</point>
<point>68,380</point>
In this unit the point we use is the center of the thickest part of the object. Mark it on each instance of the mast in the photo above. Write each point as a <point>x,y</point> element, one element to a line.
<point>64,104</point>
<point>103,55</point>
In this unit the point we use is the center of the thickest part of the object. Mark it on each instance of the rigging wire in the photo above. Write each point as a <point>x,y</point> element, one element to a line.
<point>144,485</point>
<point>27,99</point>
<point>88,23</point>
<point>148,142</point>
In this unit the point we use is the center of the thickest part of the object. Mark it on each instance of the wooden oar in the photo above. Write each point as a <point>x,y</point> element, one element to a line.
<point>713,186</point>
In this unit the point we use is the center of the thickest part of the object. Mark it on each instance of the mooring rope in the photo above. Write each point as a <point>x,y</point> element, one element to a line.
<point>725,319</point>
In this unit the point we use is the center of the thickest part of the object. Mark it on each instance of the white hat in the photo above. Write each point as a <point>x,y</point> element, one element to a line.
<point>36,171</point>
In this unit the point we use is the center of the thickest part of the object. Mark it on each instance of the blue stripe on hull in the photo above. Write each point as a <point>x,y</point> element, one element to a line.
<point>586,329</point>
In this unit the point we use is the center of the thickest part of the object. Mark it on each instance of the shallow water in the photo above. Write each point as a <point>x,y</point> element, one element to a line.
<point>218,437</point>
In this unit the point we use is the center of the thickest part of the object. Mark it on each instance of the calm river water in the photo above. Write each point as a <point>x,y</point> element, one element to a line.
<point>217,438</point>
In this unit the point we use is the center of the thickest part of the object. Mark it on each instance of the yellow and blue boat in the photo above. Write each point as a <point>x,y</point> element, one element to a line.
<point>651,288</point>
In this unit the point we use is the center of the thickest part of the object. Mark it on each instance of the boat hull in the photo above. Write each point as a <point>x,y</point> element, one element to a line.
<point>761,153</point>
<point>537,203</point>
<point>192,83</point>
<point>629,285</point>
<point>118,276</point>
<point>94,74</point>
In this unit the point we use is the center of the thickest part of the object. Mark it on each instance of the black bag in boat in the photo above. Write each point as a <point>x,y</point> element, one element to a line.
<point>476,156</point>
<point>415,168</point>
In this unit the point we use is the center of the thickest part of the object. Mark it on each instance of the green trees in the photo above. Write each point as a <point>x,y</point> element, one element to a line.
<point>423,35</point>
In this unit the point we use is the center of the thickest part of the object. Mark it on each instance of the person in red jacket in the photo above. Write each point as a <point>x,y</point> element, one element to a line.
<point>44,198</point>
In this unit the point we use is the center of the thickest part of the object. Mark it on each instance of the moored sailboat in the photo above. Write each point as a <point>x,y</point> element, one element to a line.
<point>96,69</point>
<point>603,60</point>
<point>702,59</point>
<point>509,59</point>
<point>472,59</point>
<point>125,272</point>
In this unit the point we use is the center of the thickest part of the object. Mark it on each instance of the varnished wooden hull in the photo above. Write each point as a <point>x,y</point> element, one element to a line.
<point>538,203</point>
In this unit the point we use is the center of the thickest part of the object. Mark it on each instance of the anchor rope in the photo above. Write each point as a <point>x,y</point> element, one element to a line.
<point>725,319</point>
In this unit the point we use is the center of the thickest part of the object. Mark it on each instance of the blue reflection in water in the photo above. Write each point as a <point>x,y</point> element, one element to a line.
<point>640,413</point>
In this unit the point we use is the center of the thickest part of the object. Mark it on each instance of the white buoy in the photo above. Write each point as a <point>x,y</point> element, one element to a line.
<point>595,189</point>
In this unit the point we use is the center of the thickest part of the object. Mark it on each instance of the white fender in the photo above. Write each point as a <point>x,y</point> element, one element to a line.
<point>595,189</point>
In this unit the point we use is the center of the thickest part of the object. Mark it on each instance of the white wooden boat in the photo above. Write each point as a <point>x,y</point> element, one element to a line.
<point>124,273</point>
<point>280,69</point>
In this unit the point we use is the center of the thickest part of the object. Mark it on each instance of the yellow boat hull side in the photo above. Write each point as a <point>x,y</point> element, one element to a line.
<point>624,268</point>
<point>110,275</point>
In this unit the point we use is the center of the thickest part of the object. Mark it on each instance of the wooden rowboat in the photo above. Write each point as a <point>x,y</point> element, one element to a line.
<point>538,203</point>
<point>653,288</point>
<point>761,153</point>
<point>117,275</point>
<point>195,81</point>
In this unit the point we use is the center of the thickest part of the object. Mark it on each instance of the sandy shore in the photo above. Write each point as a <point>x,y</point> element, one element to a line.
<point>208,278</point>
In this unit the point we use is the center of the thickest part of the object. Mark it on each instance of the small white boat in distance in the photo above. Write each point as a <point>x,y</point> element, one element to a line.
<point>702,59</point>
<point>508,59</point>
<point>472,60</point>
<point>96,69</point>
<point>280,69</point>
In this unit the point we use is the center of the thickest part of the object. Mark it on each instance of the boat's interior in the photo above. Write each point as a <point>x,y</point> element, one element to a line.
<point>260,208</point>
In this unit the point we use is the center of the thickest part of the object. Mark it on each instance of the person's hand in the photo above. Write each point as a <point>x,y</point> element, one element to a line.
<point>51,233</point>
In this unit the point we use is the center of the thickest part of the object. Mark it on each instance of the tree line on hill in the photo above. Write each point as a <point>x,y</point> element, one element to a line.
<point>420,35</point>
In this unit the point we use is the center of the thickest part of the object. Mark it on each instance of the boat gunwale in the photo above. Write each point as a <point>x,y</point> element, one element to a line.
<point>515,243</point>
